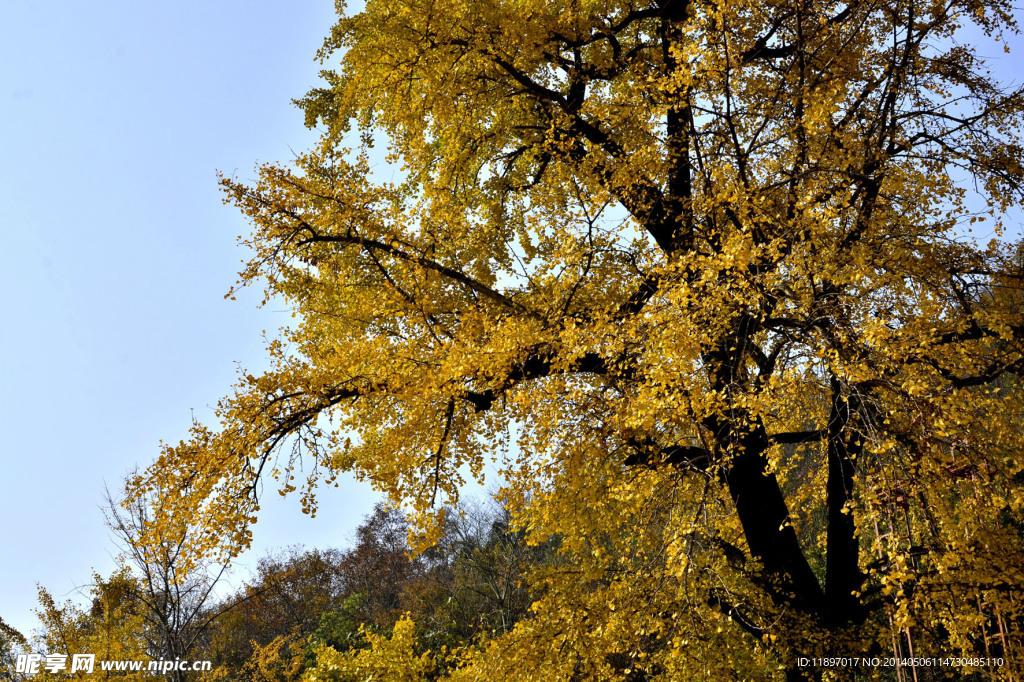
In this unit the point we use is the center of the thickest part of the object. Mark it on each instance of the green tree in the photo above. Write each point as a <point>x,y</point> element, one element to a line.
<point>286,599</point>
<point>476,578</point>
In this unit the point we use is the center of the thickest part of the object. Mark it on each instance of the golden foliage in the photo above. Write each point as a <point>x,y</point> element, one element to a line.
<point>386,658</point>
<point>112,629</point>
<point>698,280</point>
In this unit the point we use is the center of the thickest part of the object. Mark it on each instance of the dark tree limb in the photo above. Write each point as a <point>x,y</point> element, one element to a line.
<point>647,454</point>
<point>842,571</point>
<point>537,365</point>
<point>763,514</point>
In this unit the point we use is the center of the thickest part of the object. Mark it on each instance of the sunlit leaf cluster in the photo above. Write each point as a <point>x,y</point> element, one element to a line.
<point>695,284</point>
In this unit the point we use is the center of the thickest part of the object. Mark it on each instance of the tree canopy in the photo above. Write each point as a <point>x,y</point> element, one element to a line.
<point>699,281</point>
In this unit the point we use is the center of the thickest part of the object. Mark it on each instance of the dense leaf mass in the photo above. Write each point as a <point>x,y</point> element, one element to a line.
<point>698,282</point>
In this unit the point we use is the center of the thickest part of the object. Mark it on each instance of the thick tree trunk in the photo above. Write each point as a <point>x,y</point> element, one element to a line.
<point>842,570</point>
<point>764,516</point>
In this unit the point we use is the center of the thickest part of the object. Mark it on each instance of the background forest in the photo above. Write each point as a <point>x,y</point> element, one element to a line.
<point>469,585</point>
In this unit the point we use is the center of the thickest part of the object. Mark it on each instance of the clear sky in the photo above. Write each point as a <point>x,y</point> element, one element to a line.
<point>115,254</point>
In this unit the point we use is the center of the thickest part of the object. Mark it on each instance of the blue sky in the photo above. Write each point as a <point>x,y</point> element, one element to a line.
<point>115,254</point>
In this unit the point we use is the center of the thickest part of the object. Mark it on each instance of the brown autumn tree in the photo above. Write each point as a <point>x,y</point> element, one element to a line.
<point>698,278</point>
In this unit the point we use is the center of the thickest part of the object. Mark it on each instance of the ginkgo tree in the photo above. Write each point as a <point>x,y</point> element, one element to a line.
<point>699,281</point>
